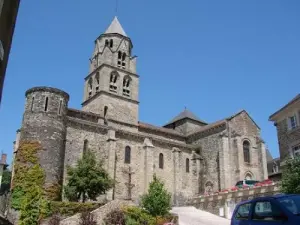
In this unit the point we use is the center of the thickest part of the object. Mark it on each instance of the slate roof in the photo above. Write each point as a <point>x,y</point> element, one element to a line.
<point>186,114</point>
<point>115,28</point>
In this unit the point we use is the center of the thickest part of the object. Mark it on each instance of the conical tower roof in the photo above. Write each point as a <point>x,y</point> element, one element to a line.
<point>115,28</point>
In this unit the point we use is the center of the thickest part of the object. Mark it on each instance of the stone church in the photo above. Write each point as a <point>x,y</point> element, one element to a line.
<point>191,156</point>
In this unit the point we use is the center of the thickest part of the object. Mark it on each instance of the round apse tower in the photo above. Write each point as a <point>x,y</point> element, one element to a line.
<point>44,121</point>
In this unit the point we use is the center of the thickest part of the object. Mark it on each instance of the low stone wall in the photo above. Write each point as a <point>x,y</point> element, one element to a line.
<point>99,213</point>
<point>223,204</point>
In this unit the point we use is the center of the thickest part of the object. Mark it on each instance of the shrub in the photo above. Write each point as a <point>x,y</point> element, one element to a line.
<point>290,183</point>
<point>131,221</point>
<point>139,215</point>
<point>115,217</point>
<point>87,218</point>
<point>158,200</point>
<point>71,208</point>
<point>87,180</point>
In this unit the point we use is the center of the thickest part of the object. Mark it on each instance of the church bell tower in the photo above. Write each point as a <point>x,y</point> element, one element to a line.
<point>111,89</point>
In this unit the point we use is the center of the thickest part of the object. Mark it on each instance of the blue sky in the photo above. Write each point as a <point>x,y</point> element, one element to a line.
<point>214,57</point>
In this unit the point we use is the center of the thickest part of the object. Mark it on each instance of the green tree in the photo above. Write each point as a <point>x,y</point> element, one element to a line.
<point>158,200</point>
<point>87,180</point>
<point>290,183</point>
<point>6,181</point>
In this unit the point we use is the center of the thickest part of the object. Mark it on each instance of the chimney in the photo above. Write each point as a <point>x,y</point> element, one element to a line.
<point>3,159</point>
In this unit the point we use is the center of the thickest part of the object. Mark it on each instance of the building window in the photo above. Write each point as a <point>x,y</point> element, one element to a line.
<point>275,168</point>
<point>85,146</point>
<point>296,150</point>
<point>113,81</point>
<point>111,43</point>
<point>126,86</point>
<point>292,122</point>
<point>161,161</point>
<point>127,154</point>
<point>246,150</point>
<point>97,81</point>
<point>46,104</point>
<point>106,42</point>
<point>122,59</point>
<point>90,87</point>
<point>248,176</point>
<point>187,165</point>
<point>105,111</point>
<point>59,107</point>
<point>32,102</point>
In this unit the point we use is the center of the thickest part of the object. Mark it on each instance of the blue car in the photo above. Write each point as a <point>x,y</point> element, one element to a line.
<point>272,210</point>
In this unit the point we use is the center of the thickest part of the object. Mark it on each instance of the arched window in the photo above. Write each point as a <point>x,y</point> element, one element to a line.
<point>46,104</point>
<point>161,161</point>
<point>111,43</point>
<point>127,154</point>
<point>85,146</point>
<point>187,165</point>
<point>106,42</point>
<point>105,113</point>
<point>90,87</point>
<point>246,150</point>
<point>121,59</point>
<point>97,77</point>
<point>113,81</point>
<point>105,110</point>
<point>248,176</point>
<point>126,86</point>
<point>32,102</point>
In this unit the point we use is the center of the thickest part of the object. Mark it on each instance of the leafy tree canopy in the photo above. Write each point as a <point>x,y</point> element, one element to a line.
<point>290,183</point>
<point>88,179</point>
<point>158,200</point>
<point>6,180</point>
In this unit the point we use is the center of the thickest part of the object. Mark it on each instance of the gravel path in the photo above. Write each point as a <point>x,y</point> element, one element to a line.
<point>193,216</point>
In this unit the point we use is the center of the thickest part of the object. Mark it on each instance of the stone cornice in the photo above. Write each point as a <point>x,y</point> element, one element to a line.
<point>113,67</point>
<point>109,94</point>
<point>104,129</point>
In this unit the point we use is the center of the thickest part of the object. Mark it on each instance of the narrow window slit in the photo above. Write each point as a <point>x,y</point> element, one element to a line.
<point>46,104</point>
<point>32,102</point>
<point>59,109</point>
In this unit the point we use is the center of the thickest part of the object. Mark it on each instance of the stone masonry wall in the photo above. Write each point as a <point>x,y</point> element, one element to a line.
<point>118,109</point>
<point>44,121</point>
<point>211,146</point>
<point>76,135</point>
<point>286,139</point>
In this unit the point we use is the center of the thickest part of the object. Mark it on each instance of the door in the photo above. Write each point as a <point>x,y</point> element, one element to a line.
<point>268,213</point>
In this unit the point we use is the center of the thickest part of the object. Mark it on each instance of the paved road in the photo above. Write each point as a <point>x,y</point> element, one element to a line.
<point>193,216</point>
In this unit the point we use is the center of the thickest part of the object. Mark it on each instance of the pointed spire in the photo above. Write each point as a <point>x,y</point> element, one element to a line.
<point>115,28</point>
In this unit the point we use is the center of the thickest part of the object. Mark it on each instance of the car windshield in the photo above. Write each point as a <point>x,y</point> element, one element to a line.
<point>250,182</point>
<point>291,203</point>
